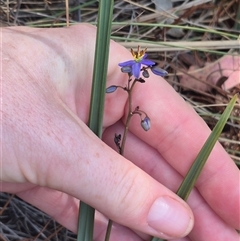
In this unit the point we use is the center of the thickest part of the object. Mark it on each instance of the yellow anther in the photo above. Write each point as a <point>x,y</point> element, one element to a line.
<point>139,54</point>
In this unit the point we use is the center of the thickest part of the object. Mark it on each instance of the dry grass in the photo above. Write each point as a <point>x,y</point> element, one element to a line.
<point>173,38</point>
<point>21,221</point>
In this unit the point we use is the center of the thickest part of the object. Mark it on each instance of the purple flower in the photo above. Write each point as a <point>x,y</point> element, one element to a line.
<point>139,59</point>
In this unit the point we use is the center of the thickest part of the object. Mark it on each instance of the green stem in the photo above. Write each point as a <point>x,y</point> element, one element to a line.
<point>86,212</point>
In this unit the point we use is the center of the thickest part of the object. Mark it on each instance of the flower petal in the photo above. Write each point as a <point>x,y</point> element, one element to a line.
<point>145,56</point>
<point>147,62</point>
<point>127,63</point>
<point>136,68</point>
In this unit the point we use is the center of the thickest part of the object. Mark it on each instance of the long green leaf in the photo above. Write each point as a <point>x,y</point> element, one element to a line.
<point>198,164</point>
<point>86,213</point>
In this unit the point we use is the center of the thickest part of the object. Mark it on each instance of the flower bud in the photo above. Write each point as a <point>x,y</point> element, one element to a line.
<point>126,69</point>
<point>111,89</point>
<point>146,124</point>
<point>158,71</point>
<point>141,80</point>
<point>145,73</point>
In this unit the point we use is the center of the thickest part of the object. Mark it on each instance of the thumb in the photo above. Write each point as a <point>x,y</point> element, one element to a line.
<point>68,157</point>
<point>117,188</point>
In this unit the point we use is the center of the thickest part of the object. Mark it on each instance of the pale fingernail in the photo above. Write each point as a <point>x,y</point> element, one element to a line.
<point>170,217</point>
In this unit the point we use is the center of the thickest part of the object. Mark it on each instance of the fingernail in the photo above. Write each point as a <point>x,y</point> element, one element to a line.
<point>170,217</point>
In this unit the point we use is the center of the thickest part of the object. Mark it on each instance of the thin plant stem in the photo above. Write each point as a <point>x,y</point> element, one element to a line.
<point>130,114</point>
<point>121,151</point>
<point>109,228</point>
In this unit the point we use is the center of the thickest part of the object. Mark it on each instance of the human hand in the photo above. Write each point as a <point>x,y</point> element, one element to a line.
<point>50,158</point>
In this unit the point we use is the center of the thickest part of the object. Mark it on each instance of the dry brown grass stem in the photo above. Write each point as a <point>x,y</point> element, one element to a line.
<point>67,13</point>
<point>181,45</point>
<point>169,13</point>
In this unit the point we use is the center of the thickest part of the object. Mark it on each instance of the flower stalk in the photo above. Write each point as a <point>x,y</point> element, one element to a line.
<point>134,69</point>
<point>129,116</point>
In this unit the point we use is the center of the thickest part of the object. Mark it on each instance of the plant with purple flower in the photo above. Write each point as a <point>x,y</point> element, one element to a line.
<point>134,66</point>
<point>137,68</point>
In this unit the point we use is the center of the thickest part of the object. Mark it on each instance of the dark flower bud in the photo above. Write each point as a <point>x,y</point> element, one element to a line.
<point>141,80</point>
<point>158,71</point>
<point>111,89</point>
<point>117,140</point>
<point>145,73</point>
<point>126,69</point>
<point>146,124</point>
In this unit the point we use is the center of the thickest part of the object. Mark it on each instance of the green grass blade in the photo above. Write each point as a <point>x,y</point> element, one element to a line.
<point>86,213</point>
<point>85,222</point>
<point>100,66</point>
<point>198,164</point>
<point>193,28</point>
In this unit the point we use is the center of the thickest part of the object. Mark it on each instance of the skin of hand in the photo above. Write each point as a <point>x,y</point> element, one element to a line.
<point>51,159</point>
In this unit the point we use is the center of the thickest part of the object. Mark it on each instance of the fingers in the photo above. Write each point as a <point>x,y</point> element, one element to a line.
<point>178,134</point>
<point>148,159</point>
